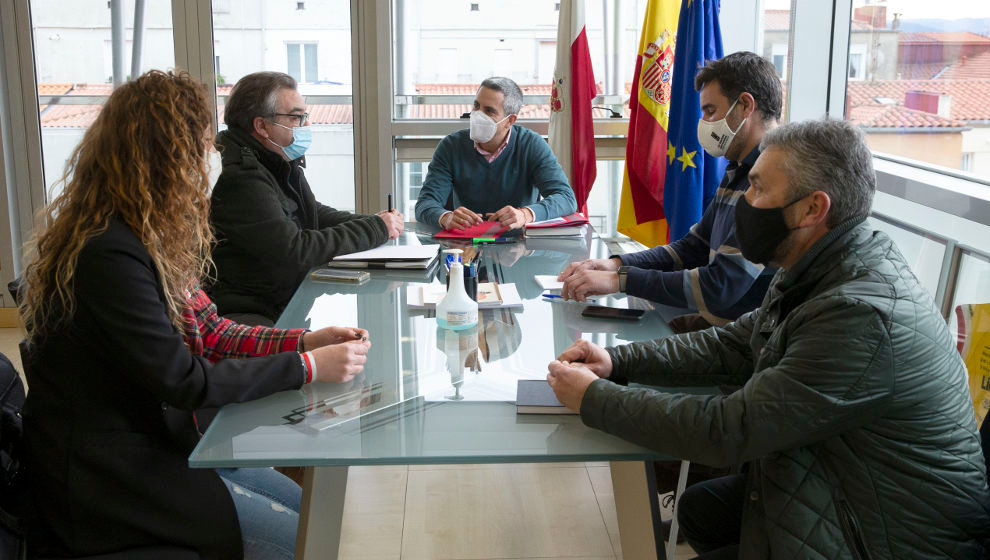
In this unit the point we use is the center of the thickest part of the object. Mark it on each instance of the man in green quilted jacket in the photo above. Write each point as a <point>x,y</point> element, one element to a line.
<point>854,417</point>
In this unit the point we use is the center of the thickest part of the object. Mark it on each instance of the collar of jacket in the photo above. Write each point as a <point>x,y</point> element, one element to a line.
<point>747,161</point>
<point>230,142</point>
<point>793,285</point>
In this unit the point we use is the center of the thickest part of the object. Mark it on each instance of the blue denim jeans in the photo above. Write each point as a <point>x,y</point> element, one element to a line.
<point>267,505</point>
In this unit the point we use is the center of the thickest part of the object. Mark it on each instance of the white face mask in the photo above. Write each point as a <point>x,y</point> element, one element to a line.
<point>715,137</point>
<point>483,127</point>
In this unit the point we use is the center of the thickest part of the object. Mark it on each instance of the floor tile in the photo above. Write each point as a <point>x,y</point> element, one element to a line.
<point>490,466</point>
<point>373,513</point>
<point>475,514</point>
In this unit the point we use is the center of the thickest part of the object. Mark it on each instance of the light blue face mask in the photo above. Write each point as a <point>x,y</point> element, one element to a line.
<point>302,137</point>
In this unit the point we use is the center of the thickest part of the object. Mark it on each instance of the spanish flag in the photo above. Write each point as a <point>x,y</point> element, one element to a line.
<point>641,215</point>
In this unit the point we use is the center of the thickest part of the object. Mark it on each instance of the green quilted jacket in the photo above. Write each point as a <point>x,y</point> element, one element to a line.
<point>854,413</point>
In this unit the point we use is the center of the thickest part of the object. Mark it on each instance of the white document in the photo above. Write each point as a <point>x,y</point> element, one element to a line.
<point>548,282</point>
<point>392,253</point>
<point>509,293</point>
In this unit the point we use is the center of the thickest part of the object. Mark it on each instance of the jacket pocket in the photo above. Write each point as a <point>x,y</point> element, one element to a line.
<point>851,530</point>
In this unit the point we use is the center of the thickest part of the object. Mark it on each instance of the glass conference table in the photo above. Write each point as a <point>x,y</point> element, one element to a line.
<point>434,396</point>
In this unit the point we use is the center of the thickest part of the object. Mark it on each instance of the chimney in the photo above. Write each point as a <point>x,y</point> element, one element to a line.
<point>871,14</point>
<point>930,102</point>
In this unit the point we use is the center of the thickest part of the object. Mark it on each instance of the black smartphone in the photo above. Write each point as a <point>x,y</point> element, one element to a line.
<point>612,313</point>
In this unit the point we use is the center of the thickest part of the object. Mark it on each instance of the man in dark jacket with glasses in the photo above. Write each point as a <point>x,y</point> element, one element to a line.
<point>270,228</point>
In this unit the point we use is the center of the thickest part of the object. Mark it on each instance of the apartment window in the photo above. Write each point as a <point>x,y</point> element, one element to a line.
<point>917,81</point>
<point>301,61</point>
<point>779,59</point>
<point>324,84</point>
<point>857,62</point>
<point>74,58</point>
<point>967,162</point>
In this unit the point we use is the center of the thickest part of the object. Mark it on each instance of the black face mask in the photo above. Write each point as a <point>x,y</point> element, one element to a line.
<point>760,230</point>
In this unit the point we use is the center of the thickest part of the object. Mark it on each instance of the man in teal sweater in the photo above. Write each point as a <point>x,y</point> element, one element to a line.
<point>494,170</point>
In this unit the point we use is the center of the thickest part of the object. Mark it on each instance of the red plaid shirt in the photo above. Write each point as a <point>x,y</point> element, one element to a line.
<point>213,337</point>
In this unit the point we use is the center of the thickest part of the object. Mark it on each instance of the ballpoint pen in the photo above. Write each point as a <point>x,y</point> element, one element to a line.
<point>478,240</point>
<point>389,202</point>
<point>555,298</point>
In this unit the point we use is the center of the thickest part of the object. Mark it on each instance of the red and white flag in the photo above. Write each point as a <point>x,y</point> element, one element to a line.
<point>572,136</point>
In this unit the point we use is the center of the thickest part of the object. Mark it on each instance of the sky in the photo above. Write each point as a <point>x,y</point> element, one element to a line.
<point>916,9</point>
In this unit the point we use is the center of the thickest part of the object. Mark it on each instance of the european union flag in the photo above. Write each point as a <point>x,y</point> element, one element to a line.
<point>692,174</point>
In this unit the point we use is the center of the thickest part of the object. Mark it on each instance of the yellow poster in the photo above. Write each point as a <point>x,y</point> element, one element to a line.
<point>974,347</point>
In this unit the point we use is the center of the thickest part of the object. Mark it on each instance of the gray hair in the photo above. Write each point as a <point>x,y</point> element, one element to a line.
<point>829,156</point>
<point>255,95</point>
<point>513,95</point>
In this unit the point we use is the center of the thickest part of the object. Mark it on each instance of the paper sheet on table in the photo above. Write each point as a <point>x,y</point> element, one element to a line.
<point>548,282</point>
<point>392,253</point>
<point>509,293</point>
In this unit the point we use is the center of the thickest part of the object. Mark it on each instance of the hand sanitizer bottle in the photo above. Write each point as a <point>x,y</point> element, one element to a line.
<point>456,310</point>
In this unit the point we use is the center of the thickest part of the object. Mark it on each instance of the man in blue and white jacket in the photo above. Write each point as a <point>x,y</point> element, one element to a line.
<point>494,170</point>
<point>740,98</point>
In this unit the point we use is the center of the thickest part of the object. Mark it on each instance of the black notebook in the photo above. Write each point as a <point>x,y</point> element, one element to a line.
<point>534,396</point>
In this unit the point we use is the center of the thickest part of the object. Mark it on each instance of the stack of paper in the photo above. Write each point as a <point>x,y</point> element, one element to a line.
<point>391,256</point>
<point>490,295</point>
<point>575,225</point>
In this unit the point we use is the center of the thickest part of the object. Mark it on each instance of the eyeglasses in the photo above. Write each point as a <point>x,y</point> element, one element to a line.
<point>302,118</point>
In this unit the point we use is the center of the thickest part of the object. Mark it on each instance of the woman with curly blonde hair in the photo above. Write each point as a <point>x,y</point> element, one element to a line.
<point>125,346</point>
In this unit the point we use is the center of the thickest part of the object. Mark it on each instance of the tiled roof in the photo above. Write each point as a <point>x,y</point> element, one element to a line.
<point>471,89</point>
<point>776,20</point>
<point>947,37</point>
<point>780,20</point>
<point>897,116</point>
<point>970,98</point>
<point>81,116</point>
<point>54,89</point>
<point>976,67</point>
<point>919,71</point>
<point>68,116</point>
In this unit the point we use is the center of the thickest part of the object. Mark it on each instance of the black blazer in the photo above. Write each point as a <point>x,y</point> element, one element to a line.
<point>108,425</point>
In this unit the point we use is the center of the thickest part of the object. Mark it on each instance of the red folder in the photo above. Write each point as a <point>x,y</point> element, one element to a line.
<point>484,229</point>
<point>575,219</point>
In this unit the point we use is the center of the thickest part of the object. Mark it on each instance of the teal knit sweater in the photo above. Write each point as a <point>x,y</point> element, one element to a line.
<point>525,171</point>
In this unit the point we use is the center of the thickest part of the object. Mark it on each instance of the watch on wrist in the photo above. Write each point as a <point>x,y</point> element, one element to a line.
<point>623,275</point>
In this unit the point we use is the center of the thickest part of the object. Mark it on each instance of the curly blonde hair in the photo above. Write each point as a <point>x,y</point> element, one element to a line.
<point>143,160</point>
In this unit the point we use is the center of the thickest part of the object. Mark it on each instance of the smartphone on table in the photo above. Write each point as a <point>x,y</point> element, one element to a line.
<point>603,312</point>
<point>338,275</point>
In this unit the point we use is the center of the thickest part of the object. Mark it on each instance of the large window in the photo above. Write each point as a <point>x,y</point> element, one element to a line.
<point>919,80</point>
<point>310,41</point>
<point>74,64</point>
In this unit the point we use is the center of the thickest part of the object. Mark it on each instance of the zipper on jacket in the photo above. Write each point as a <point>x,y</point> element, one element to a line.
<point>851,530</point>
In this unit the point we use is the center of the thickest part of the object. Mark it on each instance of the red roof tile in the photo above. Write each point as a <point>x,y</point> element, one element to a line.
<point>897,116</point>
<point>776,20</point>
<point>947,37</point>
<point>970,99</point>
<point>919,71</point>
<point>780,20</point>
<point>976,67</point>
<point>69,116</point>
<point>54,89</point>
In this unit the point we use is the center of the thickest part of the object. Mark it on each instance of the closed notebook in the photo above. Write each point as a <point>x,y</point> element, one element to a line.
<point>534,396</point>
